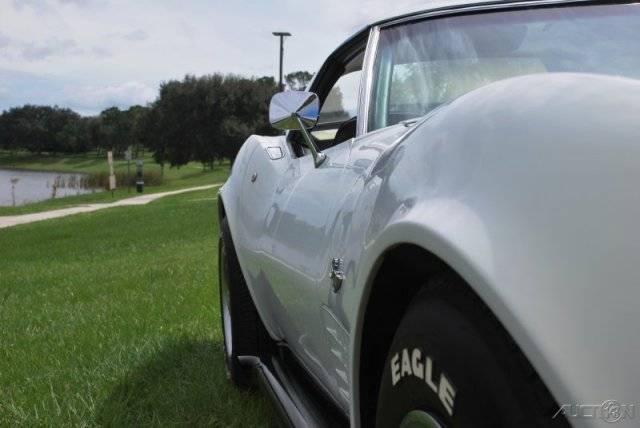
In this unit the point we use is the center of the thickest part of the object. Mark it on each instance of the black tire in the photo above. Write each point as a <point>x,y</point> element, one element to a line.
<point>241,325</point>
<point>478,376</point>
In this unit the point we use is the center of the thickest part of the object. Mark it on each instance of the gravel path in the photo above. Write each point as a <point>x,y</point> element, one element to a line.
<point>15,220</point>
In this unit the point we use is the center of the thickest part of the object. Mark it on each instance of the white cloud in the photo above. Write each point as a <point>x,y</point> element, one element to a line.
<point>101,51</point>
<point>94,48</point>
<point>81,3</point>
<point>135,35</point>
<point>49,48</point>
<point>44,6</point>
<point>97,98</point>
<point>4,41</point>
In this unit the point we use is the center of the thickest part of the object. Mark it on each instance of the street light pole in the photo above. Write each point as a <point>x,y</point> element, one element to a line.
<point>282,35</point>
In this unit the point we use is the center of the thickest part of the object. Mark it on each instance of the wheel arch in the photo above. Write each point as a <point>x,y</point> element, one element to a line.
<point>222,212</point>
<point>384,307</point>
<point>383,311</point>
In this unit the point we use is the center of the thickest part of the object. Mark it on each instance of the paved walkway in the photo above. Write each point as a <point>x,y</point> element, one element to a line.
<point>15,220</point>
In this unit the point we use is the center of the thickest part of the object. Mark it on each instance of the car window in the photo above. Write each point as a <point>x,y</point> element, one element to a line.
<point>339,92</point>
<point>336,122</point>
<point>340,105</point>
<point>423,65</point>
<point>342,102</point>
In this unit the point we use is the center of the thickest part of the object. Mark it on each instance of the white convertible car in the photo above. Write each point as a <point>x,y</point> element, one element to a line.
<point>447,234</point>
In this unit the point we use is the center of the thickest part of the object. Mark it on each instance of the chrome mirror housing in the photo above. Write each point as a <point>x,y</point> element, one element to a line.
<point>287,107</point>
<point>297,110</point>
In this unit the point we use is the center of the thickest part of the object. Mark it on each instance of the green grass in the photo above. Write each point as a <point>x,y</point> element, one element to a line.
<point>189,175</point>
<point>111,318</point>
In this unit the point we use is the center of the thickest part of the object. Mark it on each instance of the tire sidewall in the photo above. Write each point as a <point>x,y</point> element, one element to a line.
<point>465,385</point>
<point>242,316</point>
<point>222,265</point>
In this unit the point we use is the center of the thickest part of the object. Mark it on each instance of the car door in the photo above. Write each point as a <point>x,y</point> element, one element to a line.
<point>298,254</point>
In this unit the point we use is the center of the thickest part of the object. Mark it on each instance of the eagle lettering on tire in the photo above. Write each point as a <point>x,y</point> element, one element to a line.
<point>416,363</point>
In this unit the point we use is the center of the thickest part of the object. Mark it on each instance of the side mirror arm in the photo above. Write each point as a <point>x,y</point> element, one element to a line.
<point>297,110</point>
<point>318,157</point>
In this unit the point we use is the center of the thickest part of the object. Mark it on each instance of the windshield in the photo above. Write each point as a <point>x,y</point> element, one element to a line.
<point>422,65</point>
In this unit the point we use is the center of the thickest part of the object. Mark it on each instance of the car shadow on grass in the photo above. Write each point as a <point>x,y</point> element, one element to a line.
<point>184,384</point>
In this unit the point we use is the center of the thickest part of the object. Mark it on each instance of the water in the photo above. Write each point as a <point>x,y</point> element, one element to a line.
<point>35,186</point>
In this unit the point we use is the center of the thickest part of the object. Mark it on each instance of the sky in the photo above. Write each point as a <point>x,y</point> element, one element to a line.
<point>88,55</point>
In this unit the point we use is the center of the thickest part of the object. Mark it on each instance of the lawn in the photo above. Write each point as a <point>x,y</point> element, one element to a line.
<point>111,318</point>
<point>189,175</point>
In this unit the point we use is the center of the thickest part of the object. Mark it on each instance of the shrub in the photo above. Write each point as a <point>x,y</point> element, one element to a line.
<point>101,179</point>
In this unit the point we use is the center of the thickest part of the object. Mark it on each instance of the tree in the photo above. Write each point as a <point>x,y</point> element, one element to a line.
<point>178,106</point>
<point>298,80</point>
<point>5,134</point>
<point>116,130</point>
<point>135,116</point>
<point>62,130</point>
<point>246,106</point>
<point>92,126</point>
<point>149,134</point>
<point>207,118</point>
<point>203,119</point>
<point>25,127</point>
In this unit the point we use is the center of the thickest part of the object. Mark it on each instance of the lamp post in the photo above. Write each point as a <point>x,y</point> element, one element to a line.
<point>282,35</point>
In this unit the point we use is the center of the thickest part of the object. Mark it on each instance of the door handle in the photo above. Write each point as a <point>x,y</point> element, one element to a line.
<point>337,274</point>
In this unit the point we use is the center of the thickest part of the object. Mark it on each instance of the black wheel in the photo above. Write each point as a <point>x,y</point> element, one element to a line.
<point>241,325</point>
<point>452,364</point>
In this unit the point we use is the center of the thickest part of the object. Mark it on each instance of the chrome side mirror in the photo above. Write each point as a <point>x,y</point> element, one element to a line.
<point>297,110</point>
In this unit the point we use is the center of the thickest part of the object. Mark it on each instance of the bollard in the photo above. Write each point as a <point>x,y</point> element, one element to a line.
<point>139,177</point>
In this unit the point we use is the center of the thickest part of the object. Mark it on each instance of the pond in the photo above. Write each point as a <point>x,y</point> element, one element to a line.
<point>34,186</point>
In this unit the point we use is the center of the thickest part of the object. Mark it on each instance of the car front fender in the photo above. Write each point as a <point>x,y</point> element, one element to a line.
<point>527,188</point>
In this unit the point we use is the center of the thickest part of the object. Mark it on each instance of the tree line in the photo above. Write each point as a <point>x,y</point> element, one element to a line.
<point>201,119</point>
